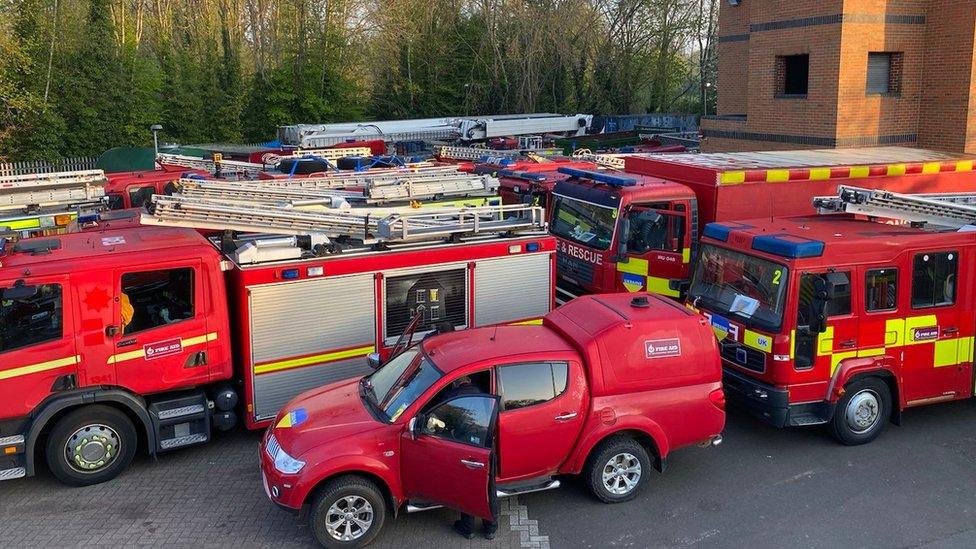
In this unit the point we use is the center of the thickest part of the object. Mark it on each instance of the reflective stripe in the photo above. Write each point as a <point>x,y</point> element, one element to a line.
<point>819,174</point>
<point>532,322</point>
<point>661,286</point>
<point>858,172</point>
<point>686,255</point>
<point>40,367</point>
<point>777,176</point>
<point>290,363</point>
<point>141,353</point>
<point>633,266</point>
<point>964,166</point>
<point>931,167</point>
<point>757,341</point>
<point>896,169</point>
<point>732,178</point>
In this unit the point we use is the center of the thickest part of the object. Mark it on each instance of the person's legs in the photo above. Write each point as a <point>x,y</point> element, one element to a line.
<point>490,527</point>
<point>465,526</point>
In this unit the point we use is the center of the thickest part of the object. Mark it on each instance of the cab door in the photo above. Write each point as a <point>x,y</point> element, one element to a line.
<point>657,246</point>
<point>821,353</point>
<point>542,414</point>
<point>160,335</point>
<point>37,342</point>
<point>448,457</point>
<point>937,358</point>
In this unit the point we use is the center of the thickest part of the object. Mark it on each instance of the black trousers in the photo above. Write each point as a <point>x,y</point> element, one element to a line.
<point>467,524</point>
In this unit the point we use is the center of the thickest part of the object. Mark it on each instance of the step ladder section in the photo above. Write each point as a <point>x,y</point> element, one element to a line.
<point>41,190</point>
<point>614,161</point>
<point>328,154</point>
<point>474,153</point>
<point>438,222</point>
<point>952,210</point>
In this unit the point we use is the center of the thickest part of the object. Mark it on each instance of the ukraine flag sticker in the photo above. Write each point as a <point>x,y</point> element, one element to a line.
<point>292,418</point>
<point>633,282</point>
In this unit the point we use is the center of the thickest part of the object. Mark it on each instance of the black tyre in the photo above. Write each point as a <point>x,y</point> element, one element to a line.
<point>862,412</point>
<point>617,469</point>
<point>91,445</point>
<point>348,512</point>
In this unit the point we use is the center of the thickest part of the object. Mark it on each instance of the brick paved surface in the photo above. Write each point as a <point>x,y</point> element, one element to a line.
<point>208,496</point>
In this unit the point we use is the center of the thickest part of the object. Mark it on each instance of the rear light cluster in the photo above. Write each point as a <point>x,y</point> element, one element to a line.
<point>718,398</point>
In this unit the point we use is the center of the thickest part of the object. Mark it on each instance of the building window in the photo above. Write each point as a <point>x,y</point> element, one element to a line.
<point>792,75</point>
<point>884,73</point>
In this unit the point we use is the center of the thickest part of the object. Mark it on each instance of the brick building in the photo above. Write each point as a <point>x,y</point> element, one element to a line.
<point>845,73</point>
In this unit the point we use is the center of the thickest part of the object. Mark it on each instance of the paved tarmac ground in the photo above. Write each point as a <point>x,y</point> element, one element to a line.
<point>914,487</point>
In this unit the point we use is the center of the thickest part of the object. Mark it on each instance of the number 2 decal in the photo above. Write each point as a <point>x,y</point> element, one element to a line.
<point>776,276</point>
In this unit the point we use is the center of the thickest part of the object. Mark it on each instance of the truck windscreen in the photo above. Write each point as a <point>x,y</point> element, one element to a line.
<point>402,380</point>
<point>583,222</point>
<point>750,289</point>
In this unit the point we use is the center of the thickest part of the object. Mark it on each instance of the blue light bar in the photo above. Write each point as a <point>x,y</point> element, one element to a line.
<point>717,231</point>
<point>522,175</point>
<point>786,245</point>
<point>615,180</point>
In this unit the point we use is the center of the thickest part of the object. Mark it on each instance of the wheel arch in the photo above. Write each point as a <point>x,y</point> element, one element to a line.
<point>57,406</point>
<point>381,483</point>
<point>651,439</point>
<point>881,367</point>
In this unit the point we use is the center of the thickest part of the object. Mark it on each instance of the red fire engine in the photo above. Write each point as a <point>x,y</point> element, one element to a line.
<point>617,235</point>
<point>146,336</point>
<point>840,320</point>
<point>135,189</point>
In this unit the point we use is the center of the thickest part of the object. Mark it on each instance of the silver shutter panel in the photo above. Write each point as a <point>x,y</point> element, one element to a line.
<point>304,318</point>
<point>512,288</point>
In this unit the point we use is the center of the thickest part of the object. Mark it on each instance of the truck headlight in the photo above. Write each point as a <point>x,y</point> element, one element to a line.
<point>287,464</point>
<point>282,461</point>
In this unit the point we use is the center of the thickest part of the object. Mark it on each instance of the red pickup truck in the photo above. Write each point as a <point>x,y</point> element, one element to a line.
<point>606,387</point>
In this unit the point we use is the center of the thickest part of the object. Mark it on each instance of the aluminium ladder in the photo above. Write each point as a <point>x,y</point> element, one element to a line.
<point>372,188</point>
<point>227,167</point>
<point>180,211</point>
<point>614,161</point>
<point>43,190</point>
<point>952,210</point>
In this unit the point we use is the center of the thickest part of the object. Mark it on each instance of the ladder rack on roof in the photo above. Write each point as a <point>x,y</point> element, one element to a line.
<point>375,188</point>
<point>329,154</point>
<point>614,161</point>
<point>254,192</point>
<point>180,211</point>
<point>474,153</point>
<point>953,210</point>
<point>227,167</point>
<point>32,191</point>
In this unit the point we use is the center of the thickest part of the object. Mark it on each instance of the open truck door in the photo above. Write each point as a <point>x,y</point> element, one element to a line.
<point>447,455</point>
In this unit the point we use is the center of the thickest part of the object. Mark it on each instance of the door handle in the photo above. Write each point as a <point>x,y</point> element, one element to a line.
<point>470,464</point>
<point>566,416</point>
<point>952,330</point>
<point>848,344</point>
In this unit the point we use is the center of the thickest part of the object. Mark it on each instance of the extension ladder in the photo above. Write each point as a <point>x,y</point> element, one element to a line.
<point>40,190</point>
<point>953,210</point>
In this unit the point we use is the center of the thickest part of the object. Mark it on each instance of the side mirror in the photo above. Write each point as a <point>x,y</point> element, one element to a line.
<point>413,427</point>
<point>622,237</point>
<point>374,361</point>
<point>823,292</point>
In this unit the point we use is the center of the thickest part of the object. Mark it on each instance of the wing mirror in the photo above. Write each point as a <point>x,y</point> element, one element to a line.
<point>622,237</point>
<point>374,361</point>
<point>413,427</point>
<point>19,291</point>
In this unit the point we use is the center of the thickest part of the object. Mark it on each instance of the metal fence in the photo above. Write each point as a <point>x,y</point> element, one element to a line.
<point>45,166</point>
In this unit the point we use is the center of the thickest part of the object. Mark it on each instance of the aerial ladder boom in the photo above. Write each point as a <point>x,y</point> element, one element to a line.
<point>951,210</point>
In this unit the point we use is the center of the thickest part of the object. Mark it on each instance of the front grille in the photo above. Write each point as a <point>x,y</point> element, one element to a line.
<point>273,447</point>
<point>746,357</point>
<point>577,269</point>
